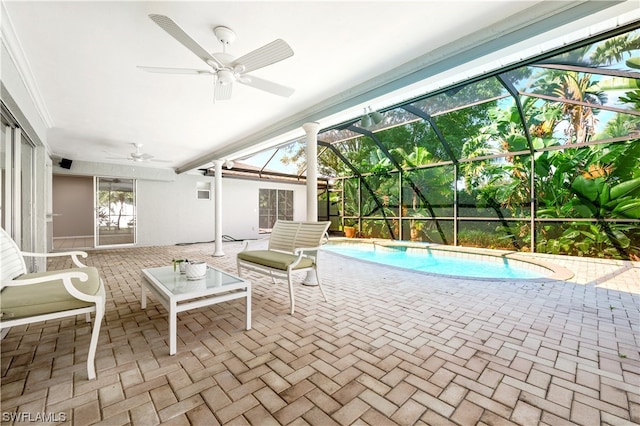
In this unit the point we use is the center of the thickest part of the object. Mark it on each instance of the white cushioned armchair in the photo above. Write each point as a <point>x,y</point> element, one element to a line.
<point>27,298</point>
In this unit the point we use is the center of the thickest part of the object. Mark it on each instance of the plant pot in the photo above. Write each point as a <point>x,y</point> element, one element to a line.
<point>195,270</point>
<point>349,231</point>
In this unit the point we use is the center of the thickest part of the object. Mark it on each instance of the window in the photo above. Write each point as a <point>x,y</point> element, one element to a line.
<point>274,204</point>
<point>203,194</point>
<point>203,191</point>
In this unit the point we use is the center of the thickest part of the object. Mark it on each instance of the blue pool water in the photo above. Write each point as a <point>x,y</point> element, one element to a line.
<point>433,262</point>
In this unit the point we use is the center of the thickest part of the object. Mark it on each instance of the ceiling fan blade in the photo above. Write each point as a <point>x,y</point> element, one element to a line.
<point>163,70</point>
<point>268,54</point>
<point>181,36</point>
<point>222,92</point>
<point>267,86</point>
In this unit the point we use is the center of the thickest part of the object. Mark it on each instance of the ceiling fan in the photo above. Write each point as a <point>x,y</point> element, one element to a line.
<point>138,156</point>
<point>224,68</point>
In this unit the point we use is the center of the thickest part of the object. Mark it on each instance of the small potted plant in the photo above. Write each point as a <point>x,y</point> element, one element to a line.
<point>349,231</point>
<point>181,264</point>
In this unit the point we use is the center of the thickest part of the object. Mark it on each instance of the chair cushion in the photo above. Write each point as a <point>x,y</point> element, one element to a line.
<point>274,259</point>
<point>47,297</point>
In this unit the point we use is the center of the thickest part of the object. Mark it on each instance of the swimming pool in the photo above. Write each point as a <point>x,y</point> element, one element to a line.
<point>441,260</point>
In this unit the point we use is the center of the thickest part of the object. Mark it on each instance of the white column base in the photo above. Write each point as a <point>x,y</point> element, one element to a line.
<point>312,279</point>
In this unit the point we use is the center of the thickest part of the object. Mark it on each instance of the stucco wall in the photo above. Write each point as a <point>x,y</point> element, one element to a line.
<point>169,212</point>
<point>240,206</point>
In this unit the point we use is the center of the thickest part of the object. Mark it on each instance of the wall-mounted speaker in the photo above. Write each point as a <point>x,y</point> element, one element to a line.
<point>65,163</point>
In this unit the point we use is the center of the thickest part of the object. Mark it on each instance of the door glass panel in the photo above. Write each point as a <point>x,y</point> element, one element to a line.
<point>116,211</point>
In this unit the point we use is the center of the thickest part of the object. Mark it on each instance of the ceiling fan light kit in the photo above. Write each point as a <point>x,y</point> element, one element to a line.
<point>225,69</point>
<point>225,77</point>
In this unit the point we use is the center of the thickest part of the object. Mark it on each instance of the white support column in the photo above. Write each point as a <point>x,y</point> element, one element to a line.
<point>312,170</point>
<point>311,130</point>
<point>218,207</point>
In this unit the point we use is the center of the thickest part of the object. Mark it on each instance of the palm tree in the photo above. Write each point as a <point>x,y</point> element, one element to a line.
<point>615,49</point>
<point>576,86</point>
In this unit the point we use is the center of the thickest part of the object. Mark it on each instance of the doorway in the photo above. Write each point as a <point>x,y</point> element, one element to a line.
<point>91,212</point>
<point>115,211</point>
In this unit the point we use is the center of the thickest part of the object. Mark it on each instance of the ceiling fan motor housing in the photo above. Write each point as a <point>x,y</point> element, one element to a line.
<point>225,35</point>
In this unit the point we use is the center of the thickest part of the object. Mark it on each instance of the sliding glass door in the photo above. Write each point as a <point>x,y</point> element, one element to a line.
<point>17,188</point>
<point>115,211</point>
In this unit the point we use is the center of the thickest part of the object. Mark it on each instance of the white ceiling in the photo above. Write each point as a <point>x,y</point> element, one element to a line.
<point>83,57</point>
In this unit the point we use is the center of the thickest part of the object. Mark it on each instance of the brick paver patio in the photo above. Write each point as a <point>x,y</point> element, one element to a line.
<point>390,347</point>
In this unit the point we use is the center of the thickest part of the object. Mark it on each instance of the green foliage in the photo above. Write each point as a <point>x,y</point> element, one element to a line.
<point>633,98</point>
<point>600,182</point>
<point>600,200</point>
<point>587,239</point>
<point>418,156</point>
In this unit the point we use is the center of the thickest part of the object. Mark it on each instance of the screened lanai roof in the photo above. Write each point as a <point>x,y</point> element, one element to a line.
<point>585,94</point>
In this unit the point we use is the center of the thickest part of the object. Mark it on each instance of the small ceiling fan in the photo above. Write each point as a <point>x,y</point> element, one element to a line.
<point>138,156</point>
<point>224,68</point>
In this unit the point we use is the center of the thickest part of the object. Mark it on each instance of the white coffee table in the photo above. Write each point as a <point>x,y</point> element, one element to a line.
<point>177,294</point>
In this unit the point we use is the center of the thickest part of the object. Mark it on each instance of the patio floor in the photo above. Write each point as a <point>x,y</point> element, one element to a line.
<point>390,347</point>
